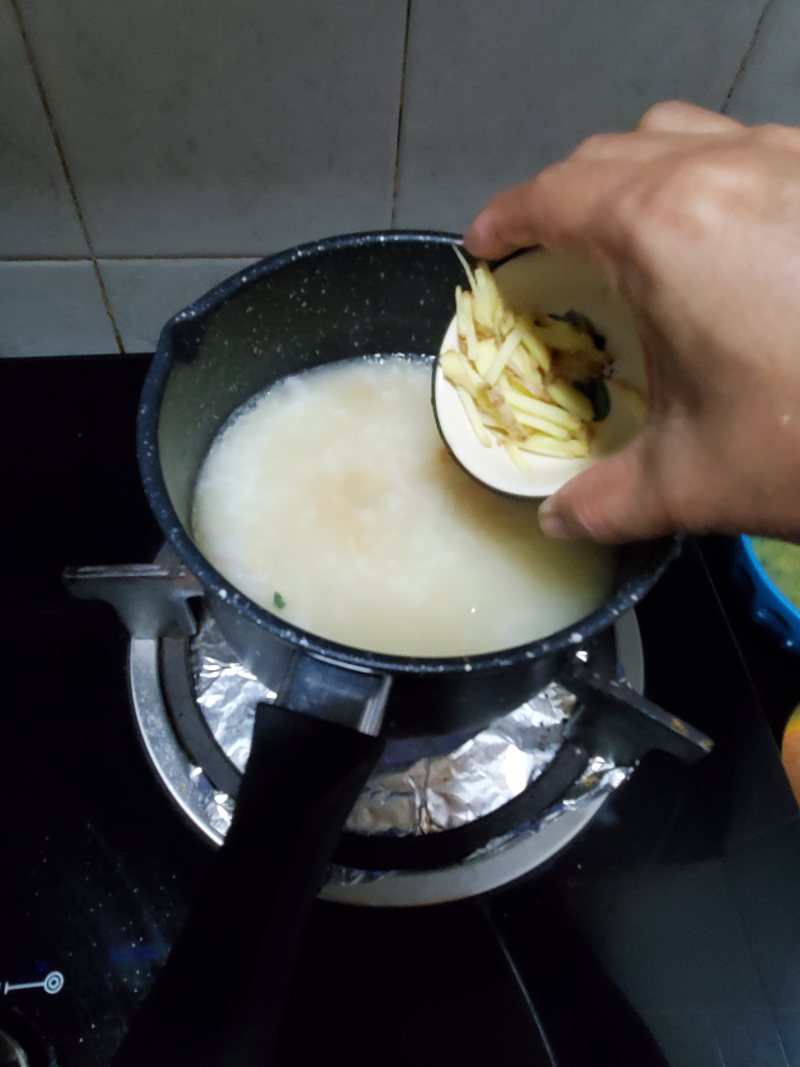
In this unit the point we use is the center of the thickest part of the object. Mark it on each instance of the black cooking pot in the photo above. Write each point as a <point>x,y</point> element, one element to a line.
<point>339,298</point>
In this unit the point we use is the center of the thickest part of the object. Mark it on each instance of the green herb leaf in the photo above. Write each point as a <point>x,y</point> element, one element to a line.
<point>278,601</point>
<point>596,392</point>
<point>584,323</point>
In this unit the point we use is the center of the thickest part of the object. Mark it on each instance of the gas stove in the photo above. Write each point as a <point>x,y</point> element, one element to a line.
<point>664,930</point>
<point>195,704</point>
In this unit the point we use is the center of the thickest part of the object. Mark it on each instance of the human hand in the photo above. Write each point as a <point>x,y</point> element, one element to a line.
<point>695,219</point>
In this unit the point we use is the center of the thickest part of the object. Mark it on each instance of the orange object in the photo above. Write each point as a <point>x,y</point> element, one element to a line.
<point>790,751</point>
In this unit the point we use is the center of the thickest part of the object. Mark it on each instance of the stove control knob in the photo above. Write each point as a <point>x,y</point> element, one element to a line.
<point>11,1055</point>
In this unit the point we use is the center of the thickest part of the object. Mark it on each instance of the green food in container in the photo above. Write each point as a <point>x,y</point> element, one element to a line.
<point>781,561</point>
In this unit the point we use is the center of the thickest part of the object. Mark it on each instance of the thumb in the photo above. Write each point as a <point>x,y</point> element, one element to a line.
<point>616,500</point>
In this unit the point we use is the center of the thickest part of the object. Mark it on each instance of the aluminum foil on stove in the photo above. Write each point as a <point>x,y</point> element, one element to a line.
<point>422,785</point>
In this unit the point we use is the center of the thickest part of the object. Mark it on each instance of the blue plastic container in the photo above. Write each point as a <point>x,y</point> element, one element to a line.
<point>769,605</point>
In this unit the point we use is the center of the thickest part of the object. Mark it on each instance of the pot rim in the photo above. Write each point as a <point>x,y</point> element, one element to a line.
<point>664,551</point>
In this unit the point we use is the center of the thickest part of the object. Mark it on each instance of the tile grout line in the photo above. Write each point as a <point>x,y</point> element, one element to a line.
<point>747,56</point>
<point>403,72</point>
<point>66,171</point>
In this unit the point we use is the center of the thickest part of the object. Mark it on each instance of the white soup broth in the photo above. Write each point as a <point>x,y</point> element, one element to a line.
<point>332,501</point>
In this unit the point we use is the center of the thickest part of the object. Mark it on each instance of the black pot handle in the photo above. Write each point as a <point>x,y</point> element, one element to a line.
<point>610,719</point>
<point>220,997</point>
<point>613,720</point>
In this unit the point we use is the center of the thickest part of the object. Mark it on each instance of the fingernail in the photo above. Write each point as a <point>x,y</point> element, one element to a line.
<point>554,525</point>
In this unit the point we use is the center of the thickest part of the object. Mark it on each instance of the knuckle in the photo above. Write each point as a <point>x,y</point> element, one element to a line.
<point>623,498</point>
<point>591,510</point>
<point>592,146</point>
<point>775,135</point>
<point>547,182</point>
<point>597,524</point>
<point>691,197</point>
<point>655,115</point>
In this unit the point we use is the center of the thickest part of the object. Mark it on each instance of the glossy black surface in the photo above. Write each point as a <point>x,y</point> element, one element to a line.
<point>670,933</point>
<point>265,882</point>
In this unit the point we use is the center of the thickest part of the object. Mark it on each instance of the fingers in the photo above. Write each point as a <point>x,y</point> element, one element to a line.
<point>560,207</point>
<point>513,219</point>
<point>676,116</point>
<point>614,501</point>
<point>557,208</point>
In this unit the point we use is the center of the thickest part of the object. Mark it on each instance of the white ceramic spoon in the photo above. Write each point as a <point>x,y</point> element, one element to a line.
<point>542,282</point>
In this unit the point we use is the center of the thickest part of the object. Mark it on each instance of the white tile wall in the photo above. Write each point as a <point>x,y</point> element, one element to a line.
<point>197,135</point>
<point>37,217</point>
<point>52,309</point>
<point>768,89</point>
<point>144,293</point>
<point>497,90</point>
<point>196,128</point>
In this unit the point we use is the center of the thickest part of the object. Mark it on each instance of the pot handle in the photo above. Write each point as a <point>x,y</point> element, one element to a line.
<point>219,999</point>
<point>612,719</point>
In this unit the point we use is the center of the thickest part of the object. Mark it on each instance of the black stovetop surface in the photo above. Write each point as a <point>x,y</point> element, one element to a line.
<point>668,934</point>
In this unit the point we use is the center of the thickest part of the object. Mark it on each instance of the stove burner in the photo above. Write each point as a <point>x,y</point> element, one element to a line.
<point>440,834</point>
<point>198,751</point>
<point>11,1054</point>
